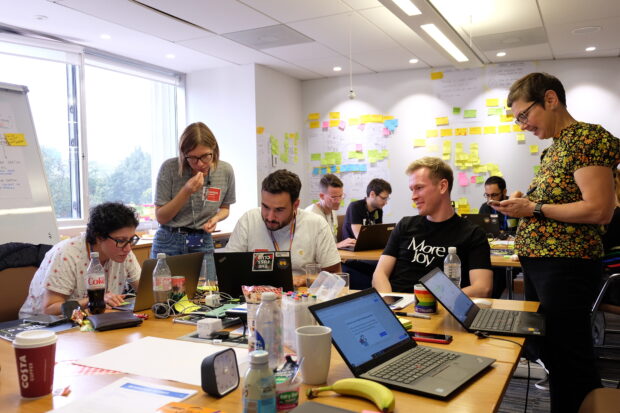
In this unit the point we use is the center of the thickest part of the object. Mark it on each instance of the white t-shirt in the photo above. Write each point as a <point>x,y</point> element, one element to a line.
<point>331,218</point>
<point>312,243</point>
<point>63,271</point>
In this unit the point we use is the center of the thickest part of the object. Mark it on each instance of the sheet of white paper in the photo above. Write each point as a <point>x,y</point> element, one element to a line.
<point>127,396</point>
<point>160,358</point>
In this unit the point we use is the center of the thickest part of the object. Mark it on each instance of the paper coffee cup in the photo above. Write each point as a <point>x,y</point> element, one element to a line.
<point>35,352</point>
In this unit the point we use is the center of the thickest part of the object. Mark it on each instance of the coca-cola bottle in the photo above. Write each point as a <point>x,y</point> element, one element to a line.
<point>95,283</point>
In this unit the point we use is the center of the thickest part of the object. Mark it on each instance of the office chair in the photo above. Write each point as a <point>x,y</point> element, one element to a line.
<point>599,308</point>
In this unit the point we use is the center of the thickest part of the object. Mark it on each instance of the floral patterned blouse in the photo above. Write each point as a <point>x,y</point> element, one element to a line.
<point>579,145</point>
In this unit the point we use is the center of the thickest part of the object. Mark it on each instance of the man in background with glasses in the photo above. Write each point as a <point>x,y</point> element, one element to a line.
<point>495,190</point>
<point>111,231</point>
<point>330,197</point>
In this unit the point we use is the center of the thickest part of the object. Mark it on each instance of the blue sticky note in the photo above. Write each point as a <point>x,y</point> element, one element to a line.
<point>315,171</point>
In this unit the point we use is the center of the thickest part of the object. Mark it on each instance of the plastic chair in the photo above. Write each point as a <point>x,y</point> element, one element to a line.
<point>15,284</point>
<point>602,400</point>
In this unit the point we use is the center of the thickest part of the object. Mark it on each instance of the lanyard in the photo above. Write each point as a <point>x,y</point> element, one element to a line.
<point>291,235</point>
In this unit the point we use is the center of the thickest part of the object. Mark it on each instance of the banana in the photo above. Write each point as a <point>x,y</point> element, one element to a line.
<point>375,392</point>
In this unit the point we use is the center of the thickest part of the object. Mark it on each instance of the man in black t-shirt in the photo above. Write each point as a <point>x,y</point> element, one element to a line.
<point>495,190</point>
<point>420,243</point>
<point>367,211</point>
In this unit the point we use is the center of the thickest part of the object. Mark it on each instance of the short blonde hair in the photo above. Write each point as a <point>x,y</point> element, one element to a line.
<point>196,134</point>
<point>438,169</point>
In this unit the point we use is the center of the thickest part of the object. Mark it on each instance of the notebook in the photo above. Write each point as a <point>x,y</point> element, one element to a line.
<point>235,269</point>
<point>376,346</point>
<point>488,222</point>
<point>472,317</point>
<point>188,265</point>
<point>372,237</point>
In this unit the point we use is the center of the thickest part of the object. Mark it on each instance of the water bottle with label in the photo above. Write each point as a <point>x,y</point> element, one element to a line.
<point>269,329</point>
<point>207,285</point>
<point>259,386</point>
<point>452,267</point>
<point>162,280</point>
<point>95,285</point>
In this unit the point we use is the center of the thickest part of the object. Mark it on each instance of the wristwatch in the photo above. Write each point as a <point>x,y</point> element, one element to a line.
<point>538,210</point>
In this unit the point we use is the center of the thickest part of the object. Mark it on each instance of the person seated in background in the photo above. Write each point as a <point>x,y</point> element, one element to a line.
<point>331,194</point>
<point>279,225</point>
<point>420,243</point>
<point>367,211</point>
<point>495,190</point>
<point>111,231</point>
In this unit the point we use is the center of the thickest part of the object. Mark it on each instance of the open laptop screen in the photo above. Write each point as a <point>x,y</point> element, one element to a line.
<point>451,296</point>
<point>363,328</point>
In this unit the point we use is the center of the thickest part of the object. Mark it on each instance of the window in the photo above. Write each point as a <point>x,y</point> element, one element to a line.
<point>129,126</point>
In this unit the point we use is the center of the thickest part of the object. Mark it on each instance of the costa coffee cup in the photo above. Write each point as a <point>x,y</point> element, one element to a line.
<point>35,353</point>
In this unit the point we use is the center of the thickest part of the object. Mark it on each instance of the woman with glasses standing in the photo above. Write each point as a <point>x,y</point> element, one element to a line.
<point>194,192</point>
<point>559,234</point>
<point>111,231</point>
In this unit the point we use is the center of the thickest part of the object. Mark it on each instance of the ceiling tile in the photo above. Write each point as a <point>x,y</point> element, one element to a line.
<point>215,15</point>
<point>225,49</point>
<point>362,4</point>
<point>562,11</point>
<point>387,59</point>
<point>325,66</point>
<point>531,52</point>
<point>564,42</point>
<point>302,51</point>
<point>287,11</point>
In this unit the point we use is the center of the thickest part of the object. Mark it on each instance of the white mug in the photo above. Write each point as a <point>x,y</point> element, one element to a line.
<point>314,346</point>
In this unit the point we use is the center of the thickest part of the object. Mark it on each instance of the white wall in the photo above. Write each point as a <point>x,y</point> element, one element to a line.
<point>593,95</point>
<point>225,100</point>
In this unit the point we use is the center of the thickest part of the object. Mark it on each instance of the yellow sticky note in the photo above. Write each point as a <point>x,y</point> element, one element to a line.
<point>15,139</point>
<point>334,123</point>
<point>387,117</point>
<point>432,148</point>
<point>533,149</point>
<point>441,121</point>
<point>365,118</point>
<point>436,75</point>
<point>506,118</point>
<point>446,132</point>
<point>432,133</point>
<point>460,131</point>
<point>419,142</point>
<point>477,130</point>
<point>521,137</point>
<point>489,130</point>
<point>314,116</point>
<point>260,130</point>
<point>376,118</point>
<point>354,121</point>
<point>516,128</point>
<point>334,115</point>
<point>492,102</point>
<point>505,129</point>
<point>315,124</point>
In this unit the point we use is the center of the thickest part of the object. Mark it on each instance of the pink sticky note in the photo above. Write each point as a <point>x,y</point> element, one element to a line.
<point>342,125</point>
<point>386,131</point>
<point>361,126</point>
<point>326,124</point>
<point>358,147</point>
<point>473,179</point>
<point>463,179</point>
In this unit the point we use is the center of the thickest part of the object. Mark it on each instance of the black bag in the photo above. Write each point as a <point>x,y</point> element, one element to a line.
<point>114,320</point>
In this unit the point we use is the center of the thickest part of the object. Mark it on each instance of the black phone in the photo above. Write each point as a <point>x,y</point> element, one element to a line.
<point>431,337</point>
<point>47,320</point>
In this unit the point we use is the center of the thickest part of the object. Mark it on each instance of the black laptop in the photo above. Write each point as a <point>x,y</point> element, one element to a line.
<point>188,265</point>
<point>372,237</point>
<point>376,346</point>
<point>488,222</point>
<point>235,269</point>
<point>474,318</point>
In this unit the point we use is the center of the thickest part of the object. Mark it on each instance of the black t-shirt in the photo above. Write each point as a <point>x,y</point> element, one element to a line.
<point>357,213</point>
<point>420,245</point>
<point>503,223</point>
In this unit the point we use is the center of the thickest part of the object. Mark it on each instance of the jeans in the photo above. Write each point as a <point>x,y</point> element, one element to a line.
<point>175,243</point>
<point>566,289</point>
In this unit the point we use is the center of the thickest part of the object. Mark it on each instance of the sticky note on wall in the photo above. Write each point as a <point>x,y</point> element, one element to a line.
<point>441,121</point>
<point>15,139</point>
<point>436,75</point>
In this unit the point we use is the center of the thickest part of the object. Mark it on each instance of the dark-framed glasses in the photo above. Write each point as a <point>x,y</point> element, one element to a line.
<point>522,118</point>
<point>202,158</point>
<point>487,196</point>
<point>385,198</point>
<point>122,243</point>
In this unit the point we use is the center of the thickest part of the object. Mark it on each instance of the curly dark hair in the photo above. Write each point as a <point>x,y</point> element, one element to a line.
<point>109,217</point>
<point>282,181</point>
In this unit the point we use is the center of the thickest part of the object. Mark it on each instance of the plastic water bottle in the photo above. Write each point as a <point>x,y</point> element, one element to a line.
<point>259,386</point>
<point>269,329</point>
<point>452,267</point>
<point>207,285</point>
<point>162,279</point>
<point>95,284</point>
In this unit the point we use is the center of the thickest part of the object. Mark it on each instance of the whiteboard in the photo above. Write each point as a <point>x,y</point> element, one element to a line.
<point>26,210</point>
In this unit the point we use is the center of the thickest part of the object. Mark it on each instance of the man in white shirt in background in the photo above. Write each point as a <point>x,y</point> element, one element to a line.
<point>279,225</point>
<point>332,193</point>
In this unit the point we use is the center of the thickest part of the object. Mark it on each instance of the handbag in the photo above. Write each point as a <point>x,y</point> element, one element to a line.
<point>114,320</point>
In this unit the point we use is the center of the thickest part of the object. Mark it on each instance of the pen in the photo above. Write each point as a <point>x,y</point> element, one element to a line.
<point>415,315</point>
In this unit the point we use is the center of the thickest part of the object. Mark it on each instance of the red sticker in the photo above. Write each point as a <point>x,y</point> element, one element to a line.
<point>213,194</point>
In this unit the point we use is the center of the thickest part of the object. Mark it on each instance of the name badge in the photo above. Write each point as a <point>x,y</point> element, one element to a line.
<point>212,194</point>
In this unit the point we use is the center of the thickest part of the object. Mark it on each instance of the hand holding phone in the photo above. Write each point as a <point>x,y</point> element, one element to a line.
<point>430,337</point>
<point>493,203</point>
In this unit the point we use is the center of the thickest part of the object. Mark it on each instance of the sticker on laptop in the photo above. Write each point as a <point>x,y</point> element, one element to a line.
<point>263,261</point>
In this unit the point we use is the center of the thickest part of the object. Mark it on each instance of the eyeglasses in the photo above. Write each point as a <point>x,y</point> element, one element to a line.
<point>491,195</point>
<point>385,198</point>
<point>202,158</point>
<point>522,118</point>
<point>335,197</point>
<point>122,243</point>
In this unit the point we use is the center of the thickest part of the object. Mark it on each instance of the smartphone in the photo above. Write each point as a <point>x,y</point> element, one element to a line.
<point>430,337</point>
<point>397,302</point>
<point>46,319</point>
<point>493,203</point>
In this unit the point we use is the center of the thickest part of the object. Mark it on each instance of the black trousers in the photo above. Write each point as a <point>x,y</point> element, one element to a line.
<point>566,289</point>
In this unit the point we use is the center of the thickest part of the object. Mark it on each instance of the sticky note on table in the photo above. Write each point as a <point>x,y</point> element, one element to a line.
<point>470,113</point>
<point>441,121</point>
<point>436,75</point>
<point>15,139</point>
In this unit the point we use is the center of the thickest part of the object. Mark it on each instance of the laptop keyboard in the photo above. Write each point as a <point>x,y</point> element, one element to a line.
<point>416,363</point>
<point>498,320</point>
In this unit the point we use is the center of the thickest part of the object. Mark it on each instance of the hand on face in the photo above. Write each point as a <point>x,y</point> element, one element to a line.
<point>195,183</point>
